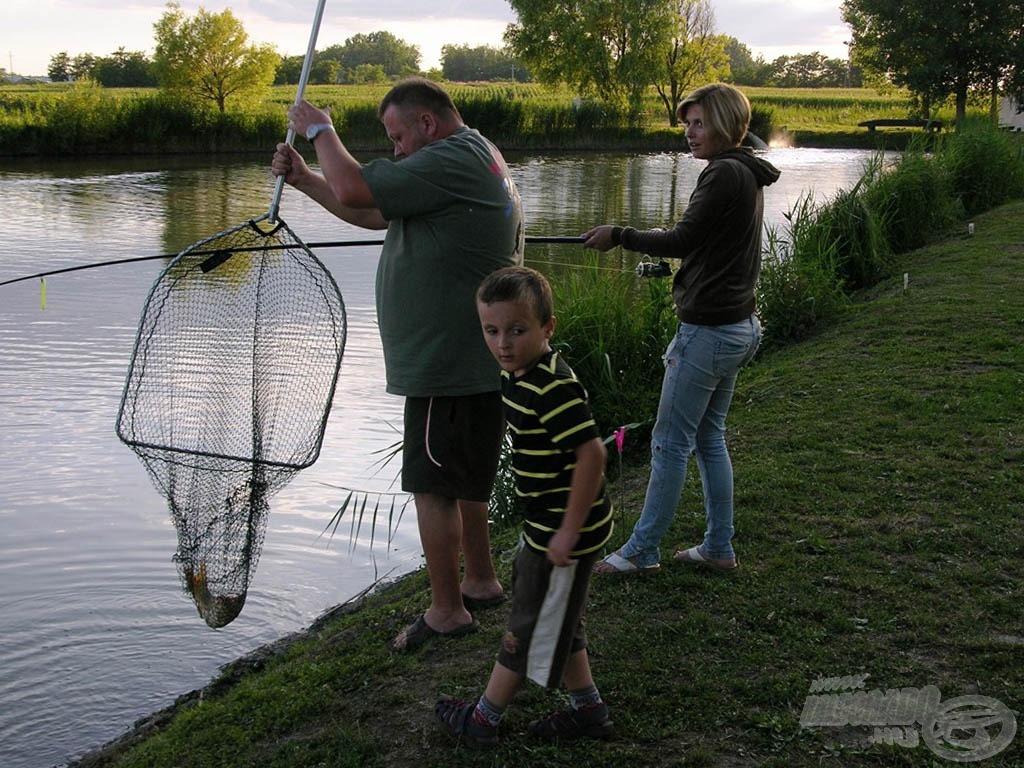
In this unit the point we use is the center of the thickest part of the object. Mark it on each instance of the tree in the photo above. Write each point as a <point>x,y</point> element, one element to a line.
<point>462,63</point>
<point>612,49</point>
<point>289,70</point>
<point>82,66</point>
<point>939,49</point>
<point>694,53</point>
<point>809,70</point>
<point>209,56</point>
<point>124,69</point>
<point>367,73</point>
<point>393,55</point>
<point>59,70</point>
<point>746,70</point>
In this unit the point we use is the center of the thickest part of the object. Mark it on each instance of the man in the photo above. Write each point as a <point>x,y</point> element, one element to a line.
<point>453,216</point>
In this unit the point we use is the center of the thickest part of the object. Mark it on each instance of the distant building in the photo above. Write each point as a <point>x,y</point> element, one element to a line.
<point>21,79</point>
<point>1010,115</point>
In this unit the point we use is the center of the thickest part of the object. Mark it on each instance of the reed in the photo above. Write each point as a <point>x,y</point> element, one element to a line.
<point>914,201</point>
<point>799,290</point>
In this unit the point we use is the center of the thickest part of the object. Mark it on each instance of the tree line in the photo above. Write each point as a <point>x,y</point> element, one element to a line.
<point>379,57</point>
<point>612,52</point>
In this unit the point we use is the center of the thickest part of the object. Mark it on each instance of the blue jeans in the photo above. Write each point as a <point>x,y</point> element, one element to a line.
<point>701,365</point>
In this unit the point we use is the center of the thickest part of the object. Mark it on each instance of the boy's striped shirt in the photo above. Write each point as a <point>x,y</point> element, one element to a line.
<point>548,416</point>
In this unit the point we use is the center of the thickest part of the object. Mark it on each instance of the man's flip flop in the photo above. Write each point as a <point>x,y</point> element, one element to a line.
<point>693,556</point>
<point>617,565</point>
<point>420,632</point>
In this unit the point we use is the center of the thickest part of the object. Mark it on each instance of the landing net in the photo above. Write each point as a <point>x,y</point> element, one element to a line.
<point>228,394</point>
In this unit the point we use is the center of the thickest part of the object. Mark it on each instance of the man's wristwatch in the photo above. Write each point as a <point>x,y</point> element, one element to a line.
<point>316,129</point>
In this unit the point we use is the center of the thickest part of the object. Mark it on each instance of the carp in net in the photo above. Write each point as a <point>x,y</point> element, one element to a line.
<point>228,394</point>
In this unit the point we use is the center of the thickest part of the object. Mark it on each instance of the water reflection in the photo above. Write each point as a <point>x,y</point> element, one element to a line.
<point>97,630</point>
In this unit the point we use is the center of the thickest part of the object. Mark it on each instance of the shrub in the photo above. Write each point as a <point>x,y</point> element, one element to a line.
<point>912,199</point>
<point>984,165</point>
<point>83,117</point>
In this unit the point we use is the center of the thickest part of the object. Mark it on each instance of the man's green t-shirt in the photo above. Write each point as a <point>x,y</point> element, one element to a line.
<point>454,216</point>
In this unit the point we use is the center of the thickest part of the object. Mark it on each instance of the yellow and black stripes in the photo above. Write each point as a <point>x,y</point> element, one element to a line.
<point>548,416</point>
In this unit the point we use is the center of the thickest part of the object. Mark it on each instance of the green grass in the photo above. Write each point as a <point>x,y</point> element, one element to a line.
<point>879,470</point>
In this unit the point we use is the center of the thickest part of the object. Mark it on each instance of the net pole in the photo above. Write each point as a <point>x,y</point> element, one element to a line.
<point>307,63</point>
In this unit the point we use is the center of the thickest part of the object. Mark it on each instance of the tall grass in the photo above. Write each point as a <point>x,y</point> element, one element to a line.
<point>86,119</point>
<point>516,116</point>
<point>799,290</point>
<point>613,328</point>
<point>985,167</point>
<point>915,201</point>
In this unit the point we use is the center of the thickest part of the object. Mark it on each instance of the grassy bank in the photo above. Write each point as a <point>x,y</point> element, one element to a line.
<point>60,119</point>
<point>879,517</point>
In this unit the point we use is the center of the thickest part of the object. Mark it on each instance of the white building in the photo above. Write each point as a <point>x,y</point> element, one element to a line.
<point>1009,116</point>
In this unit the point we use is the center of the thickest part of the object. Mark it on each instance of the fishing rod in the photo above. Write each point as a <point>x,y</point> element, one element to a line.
<point>532,239</point>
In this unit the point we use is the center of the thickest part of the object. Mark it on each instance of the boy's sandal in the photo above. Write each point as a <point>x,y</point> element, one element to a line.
<point>693,556</point>
<point>617,565</point>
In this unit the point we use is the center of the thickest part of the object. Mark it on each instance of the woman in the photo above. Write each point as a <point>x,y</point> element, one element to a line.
<point>718,241</point>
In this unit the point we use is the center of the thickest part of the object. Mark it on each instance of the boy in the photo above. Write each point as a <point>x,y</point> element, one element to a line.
<point>558,461</point>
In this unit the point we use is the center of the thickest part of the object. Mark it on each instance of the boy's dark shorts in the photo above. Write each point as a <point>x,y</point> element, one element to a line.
<point>452,445</point>
<point>541,637</point>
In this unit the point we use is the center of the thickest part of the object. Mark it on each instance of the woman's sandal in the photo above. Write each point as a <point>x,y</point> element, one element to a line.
<point>693,556</point>
<point>617,565</point>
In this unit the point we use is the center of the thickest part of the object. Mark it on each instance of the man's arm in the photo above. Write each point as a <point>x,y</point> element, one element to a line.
<point>342,190</point>
<point>288,162</point>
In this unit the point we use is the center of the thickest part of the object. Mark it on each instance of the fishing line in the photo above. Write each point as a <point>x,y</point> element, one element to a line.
<point>570,264</point>
<point>538,239</point>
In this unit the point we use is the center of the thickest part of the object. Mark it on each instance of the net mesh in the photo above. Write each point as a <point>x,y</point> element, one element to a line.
<point>228,394</point>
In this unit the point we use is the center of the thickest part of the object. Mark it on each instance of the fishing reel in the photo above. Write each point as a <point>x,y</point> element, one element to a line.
<point>648,268</point>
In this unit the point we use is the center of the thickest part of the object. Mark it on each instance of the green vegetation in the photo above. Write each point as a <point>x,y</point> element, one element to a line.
<point>879,518</point>
<point>34,119</point>
<point>617,51</point>
<point>846,244</point>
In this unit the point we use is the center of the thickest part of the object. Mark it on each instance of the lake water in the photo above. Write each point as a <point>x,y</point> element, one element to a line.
<point>97,631</point>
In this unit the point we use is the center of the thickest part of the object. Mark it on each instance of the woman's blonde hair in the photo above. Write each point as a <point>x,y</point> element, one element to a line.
<point>726,110</point>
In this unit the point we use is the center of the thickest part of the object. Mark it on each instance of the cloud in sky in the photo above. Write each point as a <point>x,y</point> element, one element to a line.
<point>35,30</point>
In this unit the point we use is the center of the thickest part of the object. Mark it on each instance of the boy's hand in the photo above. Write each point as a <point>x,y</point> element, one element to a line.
<point>560,546</point>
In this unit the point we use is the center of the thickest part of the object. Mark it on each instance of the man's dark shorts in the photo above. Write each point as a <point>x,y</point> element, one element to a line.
<point>452,445</point>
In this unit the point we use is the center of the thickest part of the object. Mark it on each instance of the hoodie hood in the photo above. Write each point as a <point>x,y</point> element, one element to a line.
<point>764,172</point>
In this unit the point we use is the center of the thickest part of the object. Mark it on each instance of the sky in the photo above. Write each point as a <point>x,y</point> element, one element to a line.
<point>33,31</point>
